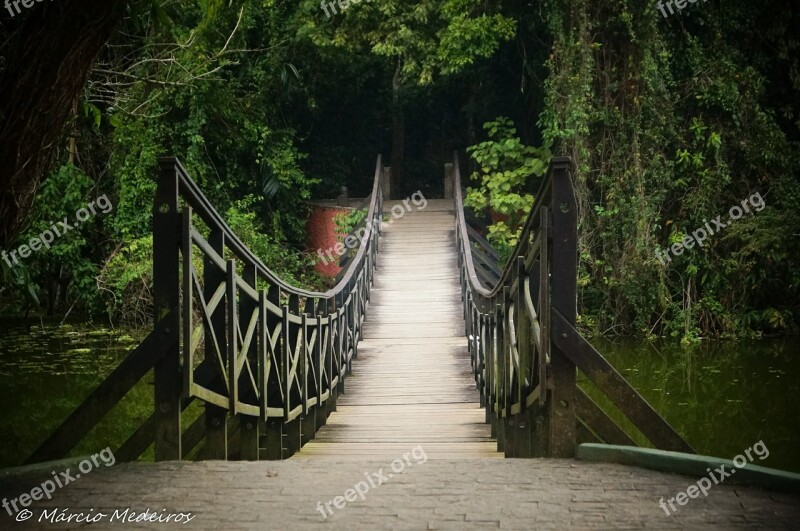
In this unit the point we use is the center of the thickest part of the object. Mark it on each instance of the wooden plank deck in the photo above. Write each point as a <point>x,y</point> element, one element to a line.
<point>412,382</point>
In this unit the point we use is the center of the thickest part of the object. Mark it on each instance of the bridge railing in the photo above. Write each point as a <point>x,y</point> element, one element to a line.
<point>523,341</point>
<point>265,359</point>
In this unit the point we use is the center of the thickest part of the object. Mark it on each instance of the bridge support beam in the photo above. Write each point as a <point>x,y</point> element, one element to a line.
<point>500,425</point>
<point>321,417</point>
<point>386,182</point>
<point>512,437</point>
<point>530,433</point>
<point>250,429</point>
<point>166,301</point>
<point>293,437</point>
<point>216,421</point>
<point>449,180</point>
<point>332,400</point>
<point>272,440</point>
<point>541,431</point>
<point>309,425</point>
<point>561,400</point>
<point>519,435</point>
<point>216,445</point>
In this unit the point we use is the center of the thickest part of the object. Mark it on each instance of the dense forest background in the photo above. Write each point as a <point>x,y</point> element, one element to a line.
<point>669,121</point>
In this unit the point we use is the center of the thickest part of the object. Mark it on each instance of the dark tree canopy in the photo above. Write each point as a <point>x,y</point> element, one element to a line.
<point>670,121</point>
<point>47,53</point>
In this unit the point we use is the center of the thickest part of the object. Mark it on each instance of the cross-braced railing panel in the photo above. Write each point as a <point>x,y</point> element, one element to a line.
<point>508,332</point>
<point>229,333</point>
<point>248,350</point>
<point>523,341</point>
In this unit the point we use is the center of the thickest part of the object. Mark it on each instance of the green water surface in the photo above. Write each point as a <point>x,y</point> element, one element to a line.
<point>723,397</point>
<point>47,371</point>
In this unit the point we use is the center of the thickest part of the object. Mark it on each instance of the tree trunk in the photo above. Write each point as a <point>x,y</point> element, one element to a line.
<point>472,127</point>
<point>48,50</point>
<point>398,133</point>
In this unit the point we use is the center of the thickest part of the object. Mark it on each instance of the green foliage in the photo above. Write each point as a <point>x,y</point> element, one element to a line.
<point>506,166</point>
<point>294,267</point>
<point>670,125</point>
<point>64,273</point>
<point>194,89</point>
<point>347,222</point>
<point>127,280</point>
<point>422,38</point>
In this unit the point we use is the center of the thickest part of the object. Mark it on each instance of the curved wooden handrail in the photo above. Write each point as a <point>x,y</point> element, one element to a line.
<point>191,192</point>
<point>529,226</point>
<point>254,356</point>
<point>524,343</point>
<point>277,356</point>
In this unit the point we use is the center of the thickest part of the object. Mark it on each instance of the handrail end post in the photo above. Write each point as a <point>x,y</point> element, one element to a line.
<point>166,301</point>
<point>564,262</point>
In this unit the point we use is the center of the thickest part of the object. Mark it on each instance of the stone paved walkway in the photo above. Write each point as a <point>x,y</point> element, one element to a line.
<point>437,494</point>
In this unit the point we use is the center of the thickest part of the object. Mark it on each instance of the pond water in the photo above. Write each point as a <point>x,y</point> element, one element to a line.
<point>47,371</point>
<point>723,397</point>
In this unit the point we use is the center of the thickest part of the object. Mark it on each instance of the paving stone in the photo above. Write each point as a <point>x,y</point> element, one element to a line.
<point>442,494</point>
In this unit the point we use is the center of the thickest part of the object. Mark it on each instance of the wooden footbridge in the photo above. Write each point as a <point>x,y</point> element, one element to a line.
<point>412,381</point>
<point>456,354</point>
<point>425,355</point>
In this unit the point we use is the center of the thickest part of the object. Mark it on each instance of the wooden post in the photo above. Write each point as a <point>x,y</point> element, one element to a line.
<point>449,180</point>
<point>524,428</point>
<point>330,355</point>
<point>250,435</point>
<point>351,325</point>
<point>321,411</point>
<point>541,431</point>
<point>292,432</point>
<point>308,423</point>
<point>488,340</point>
<point>273,427</point>
<point>386,183</point>
<point>250,426</point>
<point>561,406</point>
<point>321,416</point>
<point>166,301</point>
<point>520,425</point>
<point>273,440</point>
<point>503,359</point>
<point>341,343</point>
<point>216,446</point>
<point>232,328</point>
<point>531,420</point>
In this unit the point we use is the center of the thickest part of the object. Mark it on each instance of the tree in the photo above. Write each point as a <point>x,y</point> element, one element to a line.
<point>46,56</point>
<point>419,40</point>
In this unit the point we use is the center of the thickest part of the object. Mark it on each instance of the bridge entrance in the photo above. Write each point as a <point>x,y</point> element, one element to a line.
<point>450,331</point>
